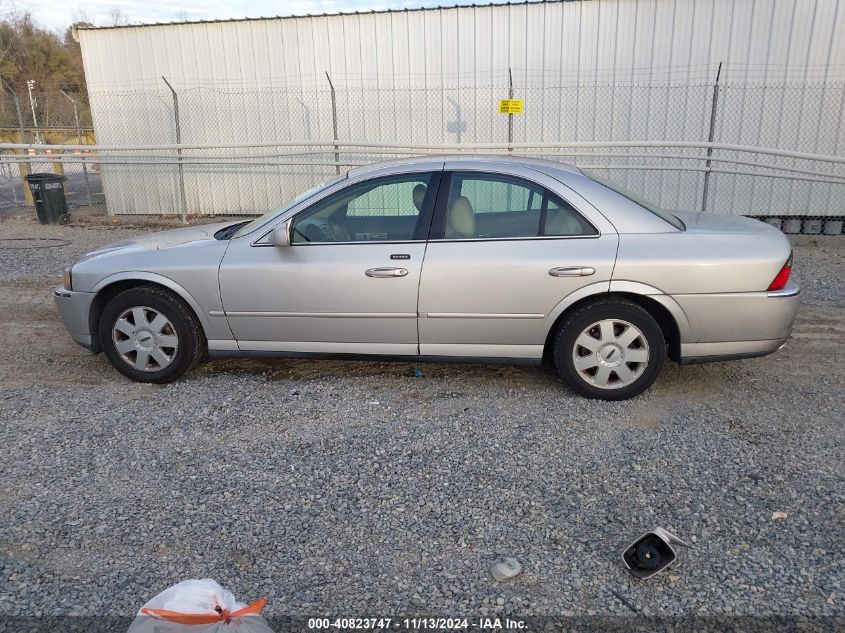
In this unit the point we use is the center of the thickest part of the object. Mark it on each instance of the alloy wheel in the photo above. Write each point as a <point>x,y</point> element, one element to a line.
<point>145,339</point>
<point>610,354</point>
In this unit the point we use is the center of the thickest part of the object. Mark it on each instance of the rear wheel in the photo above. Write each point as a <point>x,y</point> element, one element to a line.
<point>610,349</point>
<point>149,335</point>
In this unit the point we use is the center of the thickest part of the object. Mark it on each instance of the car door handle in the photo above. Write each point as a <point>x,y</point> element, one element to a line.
<point>572,271</point>
<point>386,272</point>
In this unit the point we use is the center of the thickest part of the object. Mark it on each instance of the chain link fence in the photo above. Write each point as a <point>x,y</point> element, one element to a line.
<point>250,161</point>
<point>44,112</point>
<point>47,117</point>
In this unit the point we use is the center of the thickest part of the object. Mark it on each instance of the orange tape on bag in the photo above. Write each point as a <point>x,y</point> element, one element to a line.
<point>177,617</point>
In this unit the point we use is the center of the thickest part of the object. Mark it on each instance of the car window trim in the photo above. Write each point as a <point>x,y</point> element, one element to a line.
<point>426,215</point>
<point>438,221</point>
<point>544,213</point>
<point>515,239</point>
<point>347,243</point>
<point>438,224</point>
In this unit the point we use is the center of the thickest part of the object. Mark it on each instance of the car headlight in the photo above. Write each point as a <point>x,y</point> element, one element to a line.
<point>67,279</point>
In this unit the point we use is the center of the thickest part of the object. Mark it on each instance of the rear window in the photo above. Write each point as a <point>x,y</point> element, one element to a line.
<point>633,197</point>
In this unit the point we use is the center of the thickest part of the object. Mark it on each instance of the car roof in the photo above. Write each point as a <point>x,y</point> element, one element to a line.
<point>539,164</point>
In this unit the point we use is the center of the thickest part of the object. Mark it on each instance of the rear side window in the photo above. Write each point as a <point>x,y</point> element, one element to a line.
<point>490,206</point>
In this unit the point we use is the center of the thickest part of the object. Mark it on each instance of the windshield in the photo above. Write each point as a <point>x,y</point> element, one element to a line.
<point>615,186</point>
<point>267,217</point>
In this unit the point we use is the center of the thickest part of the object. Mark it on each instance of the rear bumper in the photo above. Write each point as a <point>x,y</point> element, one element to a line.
<point>738,325</point>
<point>693,353</point>
<point>75,308</point>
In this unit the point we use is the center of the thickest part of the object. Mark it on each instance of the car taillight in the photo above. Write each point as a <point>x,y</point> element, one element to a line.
<point>779,282</point>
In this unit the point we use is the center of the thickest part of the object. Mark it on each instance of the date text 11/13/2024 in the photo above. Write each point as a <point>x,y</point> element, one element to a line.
<point>416,624</point>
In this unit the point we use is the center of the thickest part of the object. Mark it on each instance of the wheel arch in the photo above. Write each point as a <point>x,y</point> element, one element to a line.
<point>115,284</point>
<point>665,310</point>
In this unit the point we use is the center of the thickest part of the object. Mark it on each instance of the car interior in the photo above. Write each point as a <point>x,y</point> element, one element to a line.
<point>493,207</point>
<point>381,210</point>
<point>479,206</point>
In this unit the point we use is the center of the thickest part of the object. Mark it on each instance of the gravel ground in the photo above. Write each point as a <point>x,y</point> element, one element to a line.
<point>358,489</point>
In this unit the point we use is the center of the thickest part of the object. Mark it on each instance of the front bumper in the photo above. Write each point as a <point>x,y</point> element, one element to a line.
<point>75,308</point>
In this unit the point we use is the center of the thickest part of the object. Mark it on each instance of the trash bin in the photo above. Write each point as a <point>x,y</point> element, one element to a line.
<point>48,192</point>
<point>833,227</point>
<point>792,225</point>
<point>812,227</point>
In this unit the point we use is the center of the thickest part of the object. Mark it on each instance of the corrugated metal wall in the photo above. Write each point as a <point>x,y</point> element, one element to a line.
<point>588,70</point>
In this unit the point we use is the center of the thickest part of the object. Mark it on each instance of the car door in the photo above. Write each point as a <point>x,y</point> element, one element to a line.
<point>348,281</point>
<point>508,244</point>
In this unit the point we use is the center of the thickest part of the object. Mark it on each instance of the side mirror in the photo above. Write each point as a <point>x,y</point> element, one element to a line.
<point>281,234</point>
<point>651,553</point>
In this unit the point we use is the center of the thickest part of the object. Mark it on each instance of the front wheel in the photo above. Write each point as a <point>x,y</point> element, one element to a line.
<point>610,349</point>
<point>149,335</point>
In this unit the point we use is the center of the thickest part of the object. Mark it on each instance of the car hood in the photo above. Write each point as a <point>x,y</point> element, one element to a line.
<point>722,223</point>
<point>163,239</point>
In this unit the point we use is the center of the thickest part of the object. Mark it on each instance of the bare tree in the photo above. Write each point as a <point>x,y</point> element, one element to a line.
<point>81,16</point>
<point>118,17</point>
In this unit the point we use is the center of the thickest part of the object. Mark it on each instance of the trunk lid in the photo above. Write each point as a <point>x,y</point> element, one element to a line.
<point>722,223</point>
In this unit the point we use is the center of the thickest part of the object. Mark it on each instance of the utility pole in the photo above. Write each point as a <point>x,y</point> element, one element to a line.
<point>30,84</point>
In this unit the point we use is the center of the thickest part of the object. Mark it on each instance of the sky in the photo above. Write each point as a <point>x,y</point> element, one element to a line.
<point>58,14</point>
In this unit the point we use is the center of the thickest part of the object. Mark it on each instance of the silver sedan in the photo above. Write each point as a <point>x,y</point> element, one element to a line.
<point>457,258</point>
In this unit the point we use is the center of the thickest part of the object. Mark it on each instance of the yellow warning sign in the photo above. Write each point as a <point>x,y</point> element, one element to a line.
<point>510,106</point>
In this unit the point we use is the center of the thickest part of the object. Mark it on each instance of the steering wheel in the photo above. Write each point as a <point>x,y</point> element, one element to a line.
<point>318,230</point>
<point>338,232</point>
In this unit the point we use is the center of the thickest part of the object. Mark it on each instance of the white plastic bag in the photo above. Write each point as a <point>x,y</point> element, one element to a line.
<point>199,606</point>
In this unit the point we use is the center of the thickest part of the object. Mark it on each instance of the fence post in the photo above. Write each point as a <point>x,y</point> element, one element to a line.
<point>334,124</point>
<point>510,116</point>
<point>180,167</point>
<point>714,104</point>
<point>79,142</point>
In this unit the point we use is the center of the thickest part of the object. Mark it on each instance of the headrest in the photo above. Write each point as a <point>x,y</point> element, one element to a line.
<point>418,195</point>
<point>461,220</point>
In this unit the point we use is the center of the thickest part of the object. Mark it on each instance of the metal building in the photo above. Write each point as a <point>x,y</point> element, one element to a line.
<point>587,70</point>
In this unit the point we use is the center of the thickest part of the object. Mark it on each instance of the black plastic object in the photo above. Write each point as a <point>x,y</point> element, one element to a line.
<point>651,553</point>
<point>48,192</point>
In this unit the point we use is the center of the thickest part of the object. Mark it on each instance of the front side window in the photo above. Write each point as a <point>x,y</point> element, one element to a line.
<point>265,219</point>
<point>392,208</point>
<point>489,206</point>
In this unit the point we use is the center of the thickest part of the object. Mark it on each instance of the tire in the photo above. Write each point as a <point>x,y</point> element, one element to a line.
<point>609,349</point>
<point>150,335</point>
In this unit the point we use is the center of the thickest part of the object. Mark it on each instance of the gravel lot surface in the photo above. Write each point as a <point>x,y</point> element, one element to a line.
<point>358,489</point>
